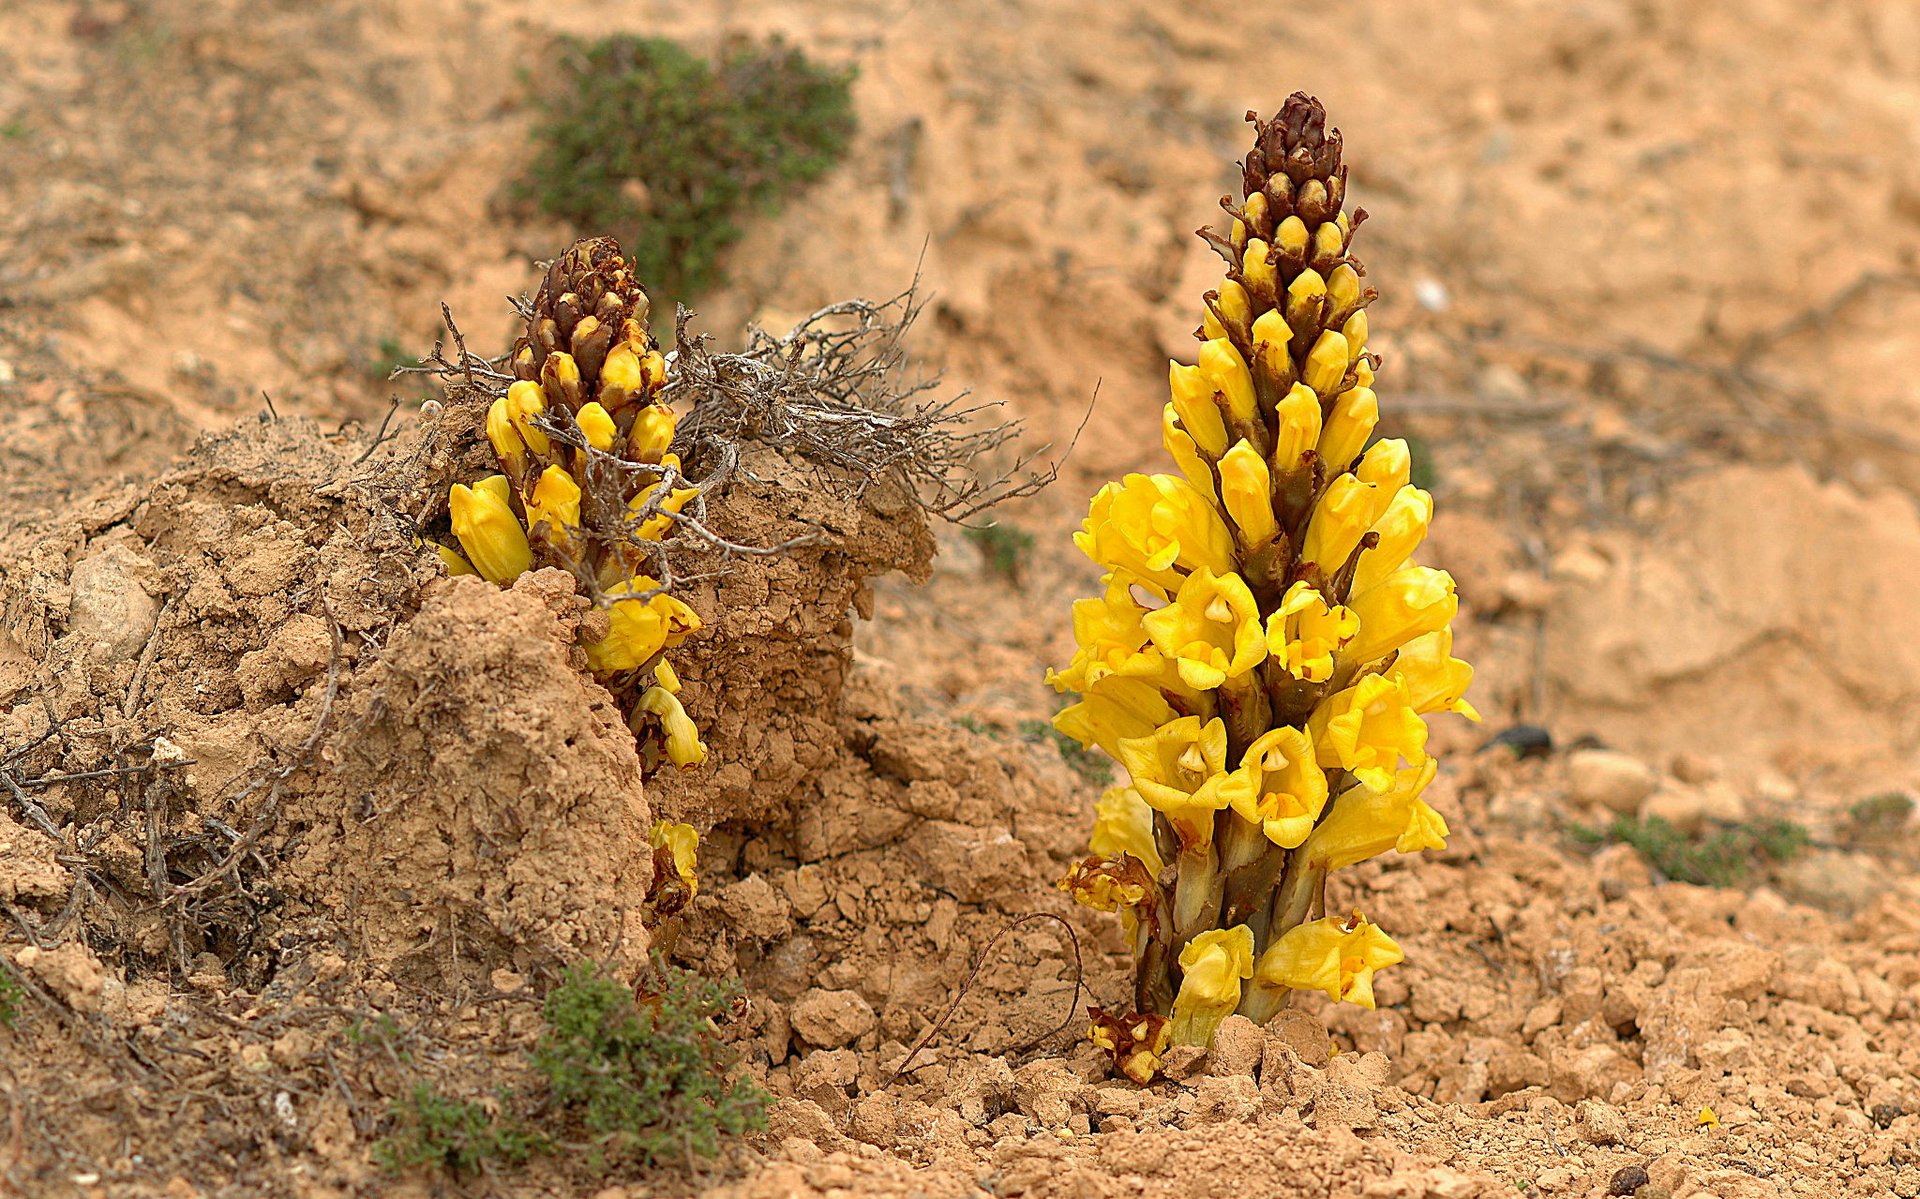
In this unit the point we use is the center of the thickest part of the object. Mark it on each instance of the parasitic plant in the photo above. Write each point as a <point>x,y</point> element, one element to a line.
<point>1263,652</point>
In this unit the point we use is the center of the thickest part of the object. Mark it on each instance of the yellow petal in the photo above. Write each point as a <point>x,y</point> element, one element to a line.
<point>494,542</point>
<point>1199,412</point>
<point>1337,955</point>
<point>1212,966</point>
<point>1350,422</point>
<point>1246,491</point>
<point>596,426</point>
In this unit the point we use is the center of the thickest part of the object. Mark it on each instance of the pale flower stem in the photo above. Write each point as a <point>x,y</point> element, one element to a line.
<point>1196,895</point>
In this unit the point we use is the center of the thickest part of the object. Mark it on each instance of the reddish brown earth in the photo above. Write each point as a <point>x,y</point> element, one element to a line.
<point>1649,292</point>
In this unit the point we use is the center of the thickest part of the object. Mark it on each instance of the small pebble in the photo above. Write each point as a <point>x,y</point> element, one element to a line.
<point>1627,1180</point>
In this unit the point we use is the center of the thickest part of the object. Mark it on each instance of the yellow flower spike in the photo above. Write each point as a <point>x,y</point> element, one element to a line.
<point>1299,420</point>
<point>1156,527</point>
<point>652,433</point>
<point>524,401</point>
<point>1409,603</point>
<point>683,849</point>
<point>1304,633</point>
<point>1112,710</point>
<point>1337,955</point>
<point>1246,491</point>
<point>483,520</point>
<point>1387,465</point>
<point>1327,363</point>
<point>1211,631</point>
<point>596,426</point>
<point>508,446</point>
<point>1402,527</point>
<point>640,629</point>
<point>1355,331</point>
<point>1366,823</point>
<point>1199,413</point>
<point>1368,728</point>
<point>621,377</point>
<point>455,564</point>
<point>1350,422</point>
<point>1212,967</point>
<point>1262,279</point>
<point>684,747</point>
<point>1123,824</point>
<point>1178,770</point>
<point>1223,367</point>
<point>1436,680</point>
<point>1185,453</point>
<point>1292,237</point>
<point>1339,521</point>
<point>1286,789</point>
<point>556,501</point>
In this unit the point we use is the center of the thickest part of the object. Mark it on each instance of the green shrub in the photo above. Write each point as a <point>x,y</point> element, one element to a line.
<point>12,999</point>
<point>642,1072</point>
<point>634,1075</point>
<point>645,141</point>
<point>1721,858</point>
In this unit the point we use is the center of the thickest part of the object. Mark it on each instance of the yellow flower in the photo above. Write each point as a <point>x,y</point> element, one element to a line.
<point>1436,680</point>
<point>656,526</point>
<point>1402,527</point>
<point>1304,633</point>
<point>455,564</point>
<point>1212,966</point>
<point>1257,270</point>
<point>1349,423</point>
<point>596,426</point>
<point>1211,630</point>
<point>1123,824</point>
<point>555,501</point>
<point>1246,491</point>
<point>1327,362</point>
<point>1223,367</point>
<point>1334,955</point>
<point>1299,427</point>
<point>641,628</point>
<point>508,446</point>
<point>1113,884</point>
<point>1387,465</point>
<point>1234,305</point>
<point>1409,603</point>
<point>1199,412</point>
<point>1178,770</point>
<point>1286,789</point>
<point>1366,823</point>
<point>1157,527</point>
<point>1136,1041</point>
<point>491,535</point>
<point>525,400</point>
<point>681,845</point>
<point>621,376</point>
<point>1111,710</point>
<point>1368,729</point>
<point>1185,454</point>
<point>560,379</point>
<point>1339,520</point>
<point>652,433</point>
<point>684,747</point>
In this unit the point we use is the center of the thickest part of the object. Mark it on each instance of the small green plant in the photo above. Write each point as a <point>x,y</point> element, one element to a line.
<point>627,1075</point>
<point>1880,815</point>
<point>459,1135</point>
<point>13,131</point>
<point>642,1071</point>
<point>641,139</point>
<point>1004,547</point>
<point>388,355</point>
<point>12,999</point>
<point>1722,858</point>
<point>1094,767</point>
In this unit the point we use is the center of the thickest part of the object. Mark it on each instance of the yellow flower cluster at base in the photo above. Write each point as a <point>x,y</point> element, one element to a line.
<point>1264,653</point>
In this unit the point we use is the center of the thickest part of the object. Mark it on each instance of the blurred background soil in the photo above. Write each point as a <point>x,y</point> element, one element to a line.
<point>1650,300</point>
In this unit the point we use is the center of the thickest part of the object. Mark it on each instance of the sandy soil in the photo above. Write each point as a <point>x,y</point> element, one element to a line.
<point>1649,282</point>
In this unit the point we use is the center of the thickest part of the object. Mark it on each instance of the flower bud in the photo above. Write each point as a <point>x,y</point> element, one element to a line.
<point>483,520</point>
